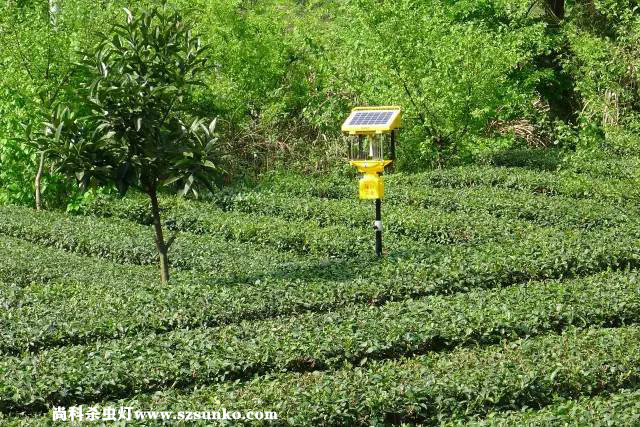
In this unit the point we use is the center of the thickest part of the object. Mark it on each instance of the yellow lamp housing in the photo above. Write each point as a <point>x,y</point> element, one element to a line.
<point>371,135</point>
<point>371,187</point>
<point>370,166</point>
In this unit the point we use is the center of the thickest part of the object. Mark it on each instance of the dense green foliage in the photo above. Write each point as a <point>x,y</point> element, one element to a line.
<point>474,77</point>
<point>140,76</point>
<point>321,341</point>
<point>435,387</point>
<point>37,72</point>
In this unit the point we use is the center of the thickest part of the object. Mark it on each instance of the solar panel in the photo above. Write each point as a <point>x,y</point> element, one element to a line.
<point>360,118</point>
<point>367,120</point>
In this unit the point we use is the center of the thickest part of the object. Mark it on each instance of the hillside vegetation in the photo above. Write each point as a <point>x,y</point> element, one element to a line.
<point>474,77</point>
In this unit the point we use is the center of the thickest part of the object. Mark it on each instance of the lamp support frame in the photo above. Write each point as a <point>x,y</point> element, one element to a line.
<point>378,227</point>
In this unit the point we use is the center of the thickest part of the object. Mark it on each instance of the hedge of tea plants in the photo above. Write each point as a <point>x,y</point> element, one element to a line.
<point>430,388</point>
<point>617,409</point>
<point>620,187</point>
<point>495,303</point>
<point>314,223</point>
<point>436,212</point>
<point>353,335</point>
<point>307,285</point>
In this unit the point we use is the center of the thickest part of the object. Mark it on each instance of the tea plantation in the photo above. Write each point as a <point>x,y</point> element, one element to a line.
<point>507,296</point>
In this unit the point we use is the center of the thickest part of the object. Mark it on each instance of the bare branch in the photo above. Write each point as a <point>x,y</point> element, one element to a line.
<point>171,239</point>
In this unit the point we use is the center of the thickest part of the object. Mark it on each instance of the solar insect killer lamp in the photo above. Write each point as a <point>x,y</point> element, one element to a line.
<point>371,135</point>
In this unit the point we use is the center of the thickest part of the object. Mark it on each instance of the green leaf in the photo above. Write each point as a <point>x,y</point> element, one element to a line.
<point>170,180</point>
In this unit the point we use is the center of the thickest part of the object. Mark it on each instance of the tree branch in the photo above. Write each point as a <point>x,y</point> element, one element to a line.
<point>171,239</point>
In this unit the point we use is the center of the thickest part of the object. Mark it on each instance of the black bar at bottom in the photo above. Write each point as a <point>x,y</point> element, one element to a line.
<point>378,227</point>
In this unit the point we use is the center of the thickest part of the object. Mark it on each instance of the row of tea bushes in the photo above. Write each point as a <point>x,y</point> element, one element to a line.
<point>355,335</point>
<point>126,242</point>
<point>58,297</point>
<point>508,205</point>
<point>299,236</point>
<point>419,212</point>
<point>314,287</point>
<point>324,226</point>
<point>578,186</point>
<point>307,225</point>
<point>23,263</point>
<point>549,183</point>
<point>621,408</point>
<point>598,166</point>
<point>433,388</point>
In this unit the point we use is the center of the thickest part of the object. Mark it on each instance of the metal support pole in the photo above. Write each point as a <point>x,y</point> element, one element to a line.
<point>378,227</point>
<point>393,151</point>
<point>393,145</point>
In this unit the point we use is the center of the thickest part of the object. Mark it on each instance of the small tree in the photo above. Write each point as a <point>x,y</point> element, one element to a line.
<point>142,73</point>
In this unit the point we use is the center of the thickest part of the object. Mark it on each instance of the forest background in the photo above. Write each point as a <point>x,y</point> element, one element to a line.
<point>476,79</point>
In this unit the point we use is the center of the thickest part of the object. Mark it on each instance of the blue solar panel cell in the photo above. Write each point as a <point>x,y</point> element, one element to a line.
<point>363,118</point>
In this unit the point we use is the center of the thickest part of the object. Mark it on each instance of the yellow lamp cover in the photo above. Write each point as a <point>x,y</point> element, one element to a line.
<point>371,187</point>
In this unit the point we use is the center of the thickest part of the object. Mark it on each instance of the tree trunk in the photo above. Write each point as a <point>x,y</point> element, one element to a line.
<point>160,242</point>
<point>557,8</point>
<point>53,12</point>
<point>37,183</point>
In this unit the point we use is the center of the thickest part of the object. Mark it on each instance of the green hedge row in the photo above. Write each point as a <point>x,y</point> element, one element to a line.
<point>618,409</point>
<point>125,242</point>
<point>320,226</point>
<point>598,166</point>
<point>59,297</point>
<point>296,235</point>
<point>413,211</point>
<point>425,214</point>
<point>578,186</point>
<point>312,286</point>
<point>419,223</point>
<point>332,187</point>
<point>23,263</point>
<point>549,183</point>
<point>433,388</point>
<point>509,205</point>
<point>309,342</point>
